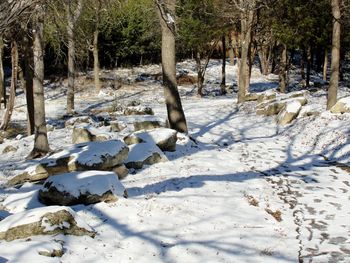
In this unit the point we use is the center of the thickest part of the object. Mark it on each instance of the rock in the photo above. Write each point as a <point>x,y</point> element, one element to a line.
<point>121,171</point>
<point>4,214</point>
<point>267,95</point>
<point>251,97</point>
<point>88,156</point>
<point>21,201</point>
<point>144,153</point>
<point>273,107</point>
<point>138,110</point>
<point>296,94</point>
<point>289,112</point>
<point>310,110</point>
<point>342,106</point>
<point>9,148</point>
<point>81,134</point>
<point>79,120</point>
<point>87,187</point>
<point>33,173</point>
<point>117,126</point>
<point>51,220</point>
<point>142,122</point>
<point>164,138</point>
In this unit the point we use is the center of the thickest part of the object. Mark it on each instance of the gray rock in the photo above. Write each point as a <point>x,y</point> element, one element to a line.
<point>138,110</point>
<point>86,188</point>
<point>342,106</point>
<point>289,112</point>
<point>50,220</point>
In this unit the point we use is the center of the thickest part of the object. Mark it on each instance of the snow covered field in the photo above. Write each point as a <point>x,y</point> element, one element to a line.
<point>242,190</point>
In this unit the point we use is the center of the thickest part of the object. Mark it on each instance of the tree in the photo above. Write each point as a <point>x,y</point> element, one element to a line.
<point>333,85</point>
<point>176,115</point>
<point>2,75</point>
<point>72,12</point>
<point>41,144</point>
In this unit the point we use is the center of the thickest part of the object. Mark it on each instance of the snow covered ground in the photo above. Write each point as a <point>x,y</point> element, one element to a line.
<point>244,190</point>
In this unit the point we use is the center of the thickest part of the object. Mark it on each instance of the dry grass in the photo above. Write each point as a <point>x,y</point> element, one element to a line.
<point>276,214</point>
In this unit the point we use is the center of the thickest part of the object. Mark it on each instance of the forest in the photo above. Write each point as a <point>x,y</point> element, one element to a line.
<point>174,130</point>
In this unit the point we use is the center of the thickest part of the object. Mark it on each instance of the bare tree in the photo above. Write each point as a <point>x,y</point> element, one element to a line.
<point>334,81</point>
<point>166,14</point>
<point>41,144</point>
<point>2,75</point>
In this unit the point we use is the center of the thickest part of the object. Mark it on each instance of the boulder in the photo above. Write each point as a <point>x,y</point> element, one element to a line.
<point>34,172</point>
<point>88,156</point>
<point>164,138</point>
<point>78,120</point>
<point>79,157</point>
<point>296,94</point>
<point>138,110</point>
<point>144,153</point>
<point>273,107</point>
<point>310,110</point>
<point>142,122</point>
<point>267,95</point>
<point>342,106</point>
<point>251,97</point>
<point>117,126</point>
<point>87,187</point>
<point>121,171</point>
<point>51,220</point>
<point>83,134</point>
<point>289,112</point>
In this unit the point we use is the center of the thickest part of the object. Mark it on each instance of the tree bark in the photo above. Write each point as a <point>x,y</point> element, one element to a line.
<point>200,77</point>
<point>246,36</point>
<point>325,65</point>
<point>283,70</point>
<point>96,63</point>
<point>14,78</point>
<point>231,50</point>
<point>2,75</point>
<point>223,71</point>
<point>41,144</point>
<point>308,66</point>
<point>334,80</point>
<point>176,116</point>
<point>72,18</point>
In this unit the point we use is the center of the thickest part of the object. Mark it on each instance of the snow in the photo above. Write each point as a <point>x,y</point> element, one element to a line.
<point>155,135</point>
<point>93,182</point>
<point>34,215</point>
<point>209,202</point>
<point>293,107</point>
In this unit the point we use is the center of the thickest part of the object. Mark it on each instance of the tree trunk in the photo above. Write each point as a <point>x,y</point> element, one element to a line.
<point>325,65</point>
<point>41,144</point>
<point>246,35</point>
<point>176,116</point>
<point>334,81</point>
<point>302,65</point>
<point>223,71</point>
<point>200,78</point>
<point>283,70</point>
<point>72,18</point>
<point>28,89</point>
<point>231,51</point>
<point>14,78</point>
<point>308,66</point>
<point>264,58</point>
<point>96,62</point>
<point>2,75</point>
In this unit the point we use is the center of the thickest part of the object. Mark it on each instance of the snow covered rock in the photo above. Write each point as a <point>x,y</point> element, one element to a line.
<point>19,202</point>
<point>33,173</point>
<point>83,134</point>
<point>164,138</point>
<point>88,156</point>
<point>78,120</point>
<point>142,122</point>
<point>251,97</point>
<point>342,106</point>
<point>138,110</point>
<point>9,148</point>
<point>267,95</point>
<point>273,107</point>
<point>297,94</point>
<point>87,187</point>
<point>310,110</point>
<point>117,126</point>
<point>289,113</point>
<point>49,220</point>
<point>144,153</point>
